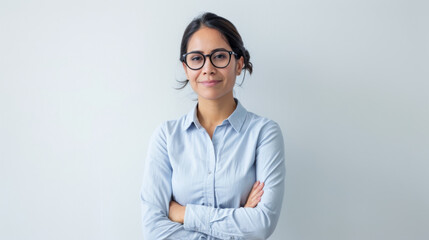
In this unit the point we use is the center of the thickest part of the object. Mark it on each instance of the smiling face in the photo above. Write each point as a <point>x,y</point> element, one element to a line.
<point>209,82</point>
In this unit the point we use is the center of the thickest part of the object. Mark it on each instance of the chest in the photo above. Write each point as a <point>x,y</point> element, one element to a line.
<point>218,172</point>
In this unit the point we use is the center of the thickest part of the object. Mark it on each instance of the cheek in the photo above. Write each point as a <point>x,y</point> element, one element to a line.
<point>192,75</point>
<point>232,75</point>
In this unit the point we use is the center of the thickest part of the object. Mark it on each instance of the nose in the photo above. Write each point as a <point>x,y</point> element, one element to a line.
<point>208,67</point>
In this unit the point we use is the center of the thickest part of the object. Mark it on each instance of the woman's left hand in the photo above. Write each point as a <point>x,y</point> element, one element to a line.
<point>177,212</point>
<point>255,195</point>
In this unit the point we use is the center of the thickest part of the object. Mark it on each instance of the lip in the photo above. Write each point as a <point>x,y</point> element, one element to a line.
<point>210,83</point>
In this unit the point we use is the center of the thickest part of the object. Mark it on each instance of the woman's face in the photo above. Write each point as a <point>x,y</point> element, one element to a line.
<point>209,82</point>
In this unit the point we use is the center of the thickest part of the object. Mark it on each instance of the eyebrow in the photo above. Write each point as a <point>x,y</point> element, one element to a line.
<point>214,50</point>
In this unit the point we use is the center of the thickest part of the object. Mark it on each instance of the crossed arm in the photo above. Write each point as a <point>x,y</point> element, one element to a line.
<point>163,218</point>
<point>177,211</point>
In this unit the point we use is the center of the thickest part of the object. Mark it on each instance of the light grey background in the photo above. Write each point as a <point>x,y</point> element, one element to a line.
<point>83,84</point>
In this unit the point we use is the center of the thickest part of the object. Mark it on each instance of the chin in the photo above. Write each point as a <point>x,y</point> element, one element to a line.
<point>208,97</point>
<point>211,96</point>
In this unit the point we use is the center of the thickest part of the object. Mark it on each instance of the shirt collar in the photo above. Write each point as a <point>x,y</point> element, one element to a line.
<point>236,119</point>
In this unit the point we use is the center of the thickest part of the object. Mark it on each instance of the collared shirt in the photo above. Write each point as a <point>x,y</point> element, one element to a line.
<point>213,177</point>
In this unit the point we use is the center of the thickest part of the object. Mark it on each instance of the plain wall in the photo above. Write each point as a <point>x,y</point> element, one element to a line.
<point>83,84</point>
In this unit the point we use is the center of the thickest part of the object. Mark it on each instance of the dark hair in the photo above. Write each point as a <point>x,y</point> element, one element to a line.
<point>226,28</point>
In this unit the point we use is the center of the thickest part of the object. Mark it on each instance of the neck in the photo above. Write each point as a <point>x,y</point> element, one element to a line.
<point>211,113</point>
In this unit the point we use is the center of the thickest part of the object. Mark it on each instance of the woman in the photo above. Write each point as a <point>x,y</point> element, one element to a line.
<point>205,172</point>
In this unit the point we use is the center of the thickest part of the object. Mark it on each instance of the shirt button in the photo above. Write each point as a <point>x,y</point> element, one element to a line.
<point>210,172</point>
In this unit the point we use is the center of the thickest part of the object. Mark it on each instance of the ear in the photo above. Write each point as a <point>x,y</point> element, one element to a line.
<point>239,65</point>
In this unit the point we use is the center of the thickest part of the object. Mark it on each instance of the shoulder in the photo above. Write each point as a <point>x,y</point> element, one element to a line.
<point>262,123</point>
<point>164,134</point>
<point>268,131</point>
<point>170,127</point>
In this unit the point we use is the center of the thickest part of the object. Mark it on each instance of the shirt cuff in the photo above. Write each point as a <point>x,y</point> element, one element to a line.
<point>197,218</point>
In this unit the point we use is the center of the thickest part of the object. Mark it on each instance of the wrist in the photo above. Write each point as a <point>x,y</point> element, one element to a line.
<point>182,215</point>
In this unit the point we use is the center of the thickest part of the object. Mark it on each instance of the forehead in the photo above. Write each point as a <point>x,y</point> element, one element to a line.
<point>206,39</point>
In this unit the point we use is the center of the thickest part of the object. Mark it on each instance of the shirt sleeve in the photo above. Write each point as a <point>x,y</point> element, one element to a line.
<point>248,223</point>
<point>156,194</point>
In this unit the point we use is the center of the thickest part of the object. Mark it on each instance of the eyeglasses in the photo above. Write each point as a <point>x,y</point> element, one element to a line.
<point>219,59</point>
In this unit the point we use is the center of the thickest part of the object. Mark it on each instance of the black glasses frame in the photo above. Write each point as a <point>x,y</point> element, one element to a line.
<point>210,57</point>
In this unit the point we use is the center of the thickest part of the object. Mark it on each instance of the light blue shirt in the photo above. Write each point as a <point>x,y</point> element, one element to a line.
<point>213,178</point>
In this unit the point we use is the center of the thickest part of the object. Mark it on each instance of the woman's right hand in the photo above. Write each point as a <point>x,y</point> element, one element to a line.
<point>255,195</point>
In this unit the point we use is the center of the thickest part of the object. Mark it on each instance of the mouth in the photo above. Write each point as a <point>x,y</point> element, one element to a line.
<point>210,83</point>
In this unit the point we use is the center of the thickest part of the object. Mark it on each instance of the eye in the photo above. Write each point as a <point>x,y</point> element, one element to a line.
<point>220,55</point>
<point>196,58</point>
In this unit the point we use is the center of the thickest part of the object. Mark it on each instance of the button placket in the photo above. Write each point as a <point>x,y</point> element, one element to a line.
<point>210,178</point>
<point>212,167</point>
<point>207,143</point>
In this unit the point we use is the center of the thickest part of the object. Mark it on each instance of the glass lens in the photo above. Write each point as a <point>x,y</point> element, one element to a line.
<point>195,60</point>
<point>220,59</point>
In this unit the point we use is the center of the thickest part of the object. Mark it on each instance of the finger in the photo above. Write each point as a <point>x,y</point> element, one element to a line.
<point>252,199</point>
<point>258,195</point>
<point>254,189</point>
<point>256,192</point>
<point>258,189</point>
<point>255,185</point>
<point>255,202</point>
<point>250,203</point>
